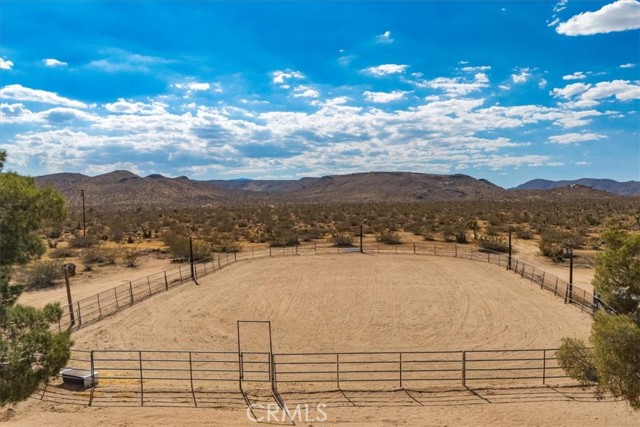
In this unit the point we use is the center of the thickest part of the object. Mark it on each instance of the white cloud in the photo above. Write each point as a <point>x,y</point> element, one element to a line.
<point>542,83</point>
<point>622,90</point>
<point>384,38</point>
<point>280,77</point>
<point>621,15</point>
<point>125,107</point>
<point>305,92</point>
<point>118,60</point>
<point>193,86</point>
<point>572,138</point>
<point>570,90</point>
<point>21,93</point>
<point>5,64</point>
<point>480,68</point>
<point>522,76</point>
<point>578,75</point>
<point>456,86</point>
<point>629,65</point>
<point>51,62</point>
<point>384,97</point>
<point>386,69</point>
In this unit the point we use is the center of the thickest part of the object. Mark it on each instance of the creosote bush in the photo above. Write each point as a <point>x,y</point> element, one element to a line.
<point>341,240</point>
<point>492,243</point>
<point>389,238</point>
<point>42,274</point>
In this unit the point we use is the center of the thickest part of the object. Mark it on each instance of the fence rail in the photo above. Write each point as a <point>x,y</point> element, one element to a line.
<point>133,372</point>
<point>109,302</point>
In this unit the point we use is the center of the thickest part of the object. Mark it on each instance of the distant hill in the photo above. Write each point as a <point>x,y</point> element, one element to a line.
<point>126,189</point>
<point>629,188</point>
<point>123,189</point>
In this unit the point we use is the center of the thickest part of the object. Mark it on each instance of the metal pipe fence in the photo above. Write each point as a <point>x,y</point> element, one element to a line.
<point>130,374</point>
<point>109,302</point>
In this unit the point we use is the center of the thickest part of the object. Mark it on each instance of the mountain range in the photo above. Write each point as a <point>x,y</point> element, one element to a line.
<point>629,188</point>
<point>126,189</point>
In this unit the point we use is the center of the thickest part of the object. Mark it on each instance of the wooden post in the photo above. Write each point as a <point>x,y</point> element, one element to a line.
<point>149,285</point>
<point>79,316</point>
<point>72,319</point>
<point>570,274</point>
<point>509,259</point>
<point>99,308</point>
<point>93,371</point>
<point>269,250</point>
<point>544,366</point>
<point>361,248</point>
<point>542,281</point>
<point>115,294</point>
<point>131,292</point>
<point>180,272</point>
<point>193,275</point>
<point>414,248</point>
<point>455,248</point>
<point>166,282</point>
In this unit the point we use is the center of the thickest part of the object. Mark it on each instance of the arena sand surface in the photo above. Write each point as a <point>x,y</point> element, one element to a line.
<point>353,303</point>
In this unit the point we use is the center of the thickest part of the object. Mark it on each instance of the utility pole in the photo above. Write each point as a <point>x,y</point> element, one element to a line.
<point>72,318</point>
<point>84,216</point>
<point>570,275</point>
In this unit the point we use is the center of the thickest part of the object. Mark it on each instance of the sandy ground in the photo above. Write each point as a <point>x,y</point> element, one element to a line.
<point>542,406</point>
<point>89,283</point>
<point>349,303</point>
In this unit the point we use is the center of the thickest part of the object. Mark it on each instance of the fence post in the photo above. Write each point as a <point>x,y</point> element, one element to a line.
<point>79,315</point>
<point>555,290</point>
<point>414,248</point>
<point>252,254</point>
<point>400,370</point>
<point>219,265</point>
<point>235,256</point>
<point>99,308</point>
<point>524,265</point>
<point>338,369</point>
<point>149,285</point>
<point>180,271</point>
<point>193,392</point>
<point>204,264</point>
<point>584,298</point>
<point>115,294</point>
<point>131,292</point>
<point>455,248</point>
<point>464,369</point>
<point>542,281</point>
<point>315,248</point>
<point>141,380</point>
<point>166,282</point>
<point>544,366</point>
<point>533,273</point>
<point>269,250</point>
<point>435,248</point>
<point>93,372</point>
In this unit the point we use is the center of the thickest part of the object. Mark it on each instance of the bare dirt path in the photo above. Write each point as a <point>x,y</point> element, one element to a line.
<point>89,283</point>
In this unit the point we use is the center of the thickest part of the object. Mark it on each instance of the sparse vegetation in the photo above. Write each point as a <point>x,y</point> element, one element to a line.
<point>42,274</point>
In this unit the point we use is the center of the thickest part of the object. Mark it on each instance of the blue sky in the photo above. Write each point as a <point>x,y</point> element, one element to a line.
<point>507,91</point>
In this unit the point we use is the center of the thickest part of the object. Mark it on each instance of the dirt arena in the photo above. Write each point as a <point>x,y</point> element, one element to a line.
<point>352,302</point>
<point>348,302</point>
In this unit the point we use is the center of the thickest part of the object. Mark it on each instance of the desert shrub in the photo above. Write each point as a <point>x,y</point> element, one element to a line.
<point>82,242</point>
<point>523,233</point>
<point>227,247</point>
<point>286,240</point>
<point>553,243</point>
<point>493,243</point>
<point>342,240</point>
<point>577,360</point>
<point>312,233</point>
<point>131,257</point>
<point>179,247</point>
<point>42,274</point>
<point>97,256</point>
<point>62,253</point>
<point>389,238</point>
